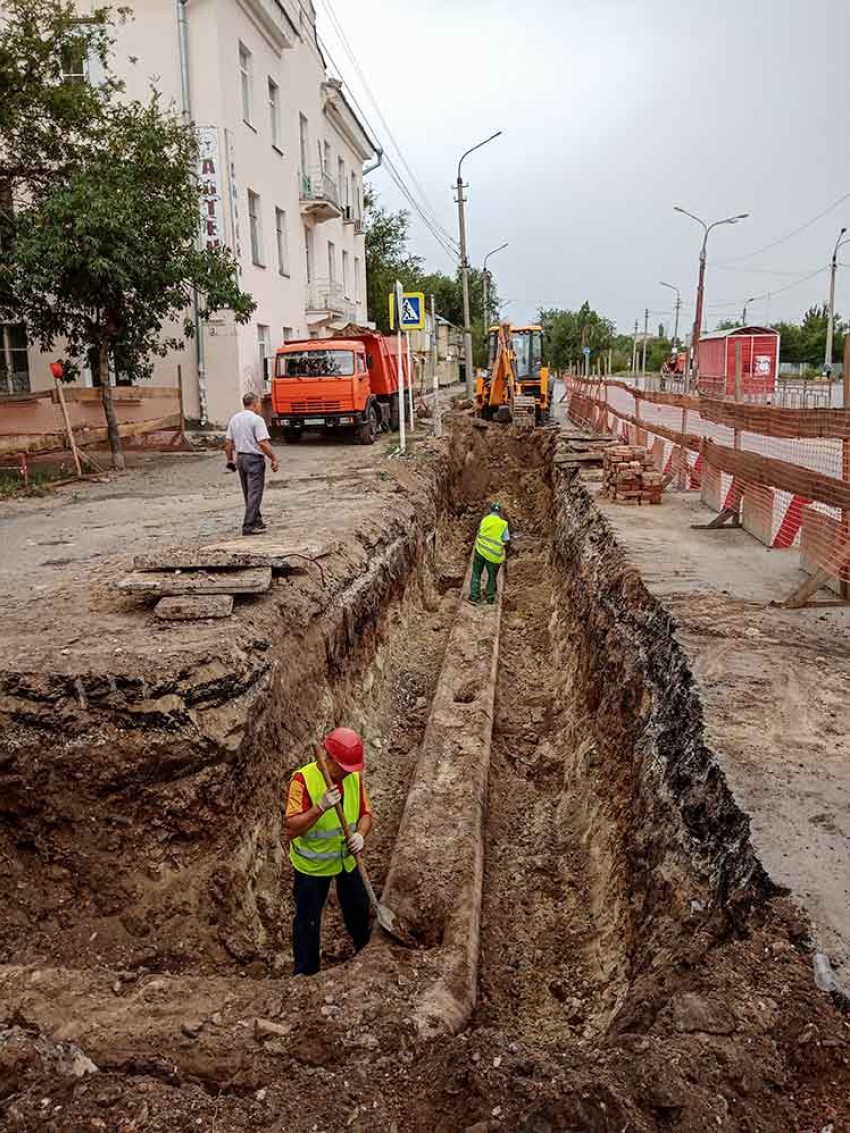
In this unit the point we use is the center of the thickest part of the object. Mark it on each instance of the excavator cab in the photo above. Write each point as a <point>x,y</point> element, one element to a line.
<point>516,383</point>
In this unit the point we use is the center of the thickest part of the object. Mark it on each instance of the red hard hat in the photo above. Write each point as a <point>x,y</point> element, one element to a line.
<point>345,746</point>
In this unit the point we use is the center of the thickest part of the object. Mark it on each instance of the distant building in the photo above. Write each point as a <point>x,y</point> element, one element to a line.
<point>282,156</point>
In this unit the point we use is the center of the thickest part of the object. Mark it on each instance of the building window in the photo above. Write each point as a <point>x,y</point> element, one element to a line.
<point>274,112</point>
<point>331,262</point>
<point>308,253</point>
<point>356,279</point>
<point>247,80</point>
<point>282,246</point>
<point>327,159</point>
<point>352,197</point>
<point>288,334</point>
<point>256,226</point>
<point>340,180</point>
<point>345,274</point>
<point>74,68</point>
<point>263,350</point>
<point>304,143</point>
<point>14,360</point>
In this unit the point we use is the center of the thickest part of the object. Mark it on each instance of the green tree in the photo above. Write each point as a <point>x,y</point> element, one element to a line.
<point>387,258</point>
<point>48,121</point>
<point>109,254</point>
<point>568,332</point>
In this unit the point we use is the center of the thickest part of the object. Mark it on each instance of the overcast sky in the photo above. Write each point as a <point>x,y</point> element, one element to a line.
<point>613,111</point>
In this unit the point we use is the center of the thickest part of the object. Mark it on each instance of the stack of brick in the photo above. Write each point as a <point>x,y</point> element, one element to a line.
<point>630,476</point>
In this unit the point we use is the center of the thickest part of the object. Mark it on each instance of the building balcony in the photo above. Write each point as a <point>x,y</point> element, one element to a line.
<point>319,196</point>
<point>326,303</point>
<point>358,227</point>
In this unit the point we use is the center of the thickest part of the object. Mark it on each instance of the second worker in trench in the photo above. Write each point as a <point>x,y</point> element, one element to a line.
<point>318,848</point>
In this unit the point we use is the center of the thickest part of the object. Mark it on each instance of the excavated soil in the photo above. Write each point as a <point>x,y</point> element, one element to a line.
<point>637,969</point>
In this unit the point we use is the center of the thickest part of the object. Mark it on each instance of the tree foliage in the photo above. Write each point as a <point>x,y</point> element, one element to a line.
<point>568,332</point>
<point>105,252</point>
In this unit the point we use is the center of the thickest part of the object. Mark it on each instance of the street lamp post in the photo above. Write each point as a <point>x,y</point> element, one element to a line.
<point>692,361</point>
<point>830,325</point>
<point>744,315</point>
<point>673,287</point>
<point>464,267</point>
<point>487,287</point>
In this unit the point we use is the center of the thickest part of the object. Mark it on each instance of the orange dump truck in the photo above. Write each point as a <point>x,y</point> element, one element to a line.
<point>335,383</point>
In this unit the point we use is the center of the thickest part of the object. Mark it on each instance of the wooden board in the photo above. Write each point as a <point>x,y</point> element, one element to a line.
<point>236,554</point>
<point>253,580</point>
<point>579,458</point>
<point>189,608</point>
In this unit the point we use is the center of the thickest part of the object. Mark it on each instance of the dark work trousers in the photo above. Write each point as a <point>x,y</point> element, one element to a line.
<point>479,564</point>
<point>310,896</point>
<point>252,474</point>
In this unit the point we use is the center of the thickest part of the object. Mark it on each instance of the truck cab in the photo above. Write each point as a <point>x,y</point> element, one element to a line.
<point>331,384</point>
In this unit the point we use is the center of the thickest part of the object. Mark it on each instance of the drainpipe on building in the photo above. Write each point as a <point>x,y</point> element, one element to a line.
<point>183,38</point>
<point>372,168</point>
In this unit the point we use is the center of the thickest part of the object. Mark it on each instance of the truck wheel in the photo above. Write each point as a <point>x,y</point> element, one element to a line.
<point>394,415</point>
<point>292,436</point>
<point>368,431</point>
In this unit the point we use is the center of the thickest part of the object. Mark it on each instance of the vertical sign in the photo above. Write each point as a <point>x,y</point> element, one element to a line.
<point>212,215</point>
<point>235,236</point>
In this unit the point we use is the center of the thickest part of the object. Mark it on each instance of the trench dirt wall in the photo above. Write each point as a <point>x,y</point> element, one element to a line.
<point>670,846</point>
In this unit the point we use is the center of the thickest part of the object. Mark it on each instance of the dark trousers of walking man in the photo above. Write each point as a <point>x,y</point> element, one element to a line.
<point>252,476</point>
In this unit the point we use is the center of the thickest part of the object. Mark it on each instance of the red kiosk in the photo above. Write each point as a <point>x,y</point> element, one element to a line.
<point>760,360</point>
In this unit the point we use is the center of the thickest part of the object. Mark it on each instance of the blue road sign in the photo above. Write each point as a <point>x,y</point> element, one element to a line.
<point>585,351</point>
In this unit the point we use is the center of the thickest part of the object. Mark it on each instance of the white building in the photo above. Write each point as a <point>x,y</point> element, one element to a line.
<point>282,163</point>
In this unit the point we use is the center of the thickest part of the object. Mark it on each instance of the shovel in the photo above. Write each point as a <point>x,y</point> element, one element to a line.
<point>386,917</point>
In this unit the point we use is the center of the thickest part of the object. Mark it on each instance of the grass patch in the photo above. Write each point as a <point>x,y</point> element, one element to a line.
<point>40,479</point>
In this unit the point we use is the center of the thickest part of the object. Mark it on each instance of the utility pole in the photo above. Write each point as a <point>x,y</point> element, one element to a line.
<point>464,268</point>
<point>435,377</point>
<point>677,309</point>
<point>692,359</point>
<point>645,337</point>
<point>635,350</point>
<point>830,325</point>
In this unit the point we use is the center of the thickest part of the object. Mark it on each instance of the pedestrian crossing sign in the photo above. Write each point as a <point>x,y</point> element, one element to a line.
<point>412,311</point>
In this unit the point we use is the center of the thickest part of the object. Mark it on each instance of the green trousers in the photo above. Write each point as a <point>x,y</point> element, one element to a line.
<point>478,565</point>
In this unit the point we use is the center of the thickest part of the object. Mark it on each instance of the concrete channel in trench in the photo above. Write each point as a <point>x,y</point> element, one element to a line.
<point>591,916</point>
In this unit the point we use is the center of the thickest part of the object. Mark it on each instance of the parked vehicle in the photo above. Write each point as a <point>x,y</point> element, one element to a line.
<point>348,383</point>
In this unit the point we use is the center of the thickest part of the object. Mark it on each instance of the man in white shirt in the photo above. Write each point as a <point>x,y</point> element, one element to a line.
<point>248,439</point>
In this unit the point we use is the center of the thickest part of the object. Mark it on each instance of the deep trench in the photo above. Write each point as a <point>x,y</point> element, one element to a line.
<point>607,823</point>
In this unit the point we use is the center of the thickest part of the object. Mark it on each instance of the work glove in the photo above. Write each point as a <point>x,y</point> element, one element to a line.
<point>355,842</point>
<point>230,466</point>
<point>330,798</point>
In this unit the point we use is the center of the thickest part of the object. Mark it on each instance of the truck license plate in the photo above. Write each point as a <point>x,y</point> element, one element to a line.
<point>314,420</point>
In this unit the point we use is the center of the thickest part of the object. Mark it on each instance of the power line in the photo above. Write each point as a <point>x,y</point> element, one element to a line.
<point>791,235</point>
<point>320,49</point>
<point>346,46</point>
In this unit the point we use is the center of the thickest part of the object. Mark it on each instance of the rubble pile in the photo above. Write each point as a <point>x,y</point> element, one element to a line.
<point>629,475</point>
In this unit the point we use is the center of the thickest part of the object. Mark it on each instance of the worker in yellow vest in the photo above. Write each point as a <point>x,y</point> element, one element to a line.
<point>319,851</point>
<point>491,545</point>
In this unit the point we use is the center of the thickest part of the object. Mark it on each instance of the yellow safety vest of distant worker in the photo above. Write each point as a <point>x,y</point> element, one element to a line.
<point>490,549</point>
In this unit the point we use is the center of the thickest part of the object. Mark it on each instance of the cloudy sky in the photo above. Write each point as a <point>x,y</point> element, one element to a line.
<point>613,111</point>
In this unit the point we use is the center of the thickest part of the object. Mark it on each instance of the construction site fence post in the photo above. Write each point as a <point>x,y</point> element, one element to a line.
<point>438,420</point>
<point>845,471</point>
<point>739,382</point>
<point>410,382</point>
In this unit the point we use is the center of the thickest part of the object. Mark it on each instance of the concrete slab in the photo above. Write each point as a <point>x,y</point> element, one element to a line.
<point>757,513</point>
<point>254,580</point>
<point>774,683</point>
<point>193,607</point>
<point>233,554</point>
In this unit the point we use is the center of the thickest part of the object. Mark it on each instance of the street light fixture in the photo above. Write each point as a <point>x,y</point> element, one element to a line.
<point>673,287</point>
<point>701,284</point>
<point>486,280</point>
<point>830,325</point>
<point>464,266</point>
